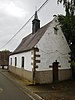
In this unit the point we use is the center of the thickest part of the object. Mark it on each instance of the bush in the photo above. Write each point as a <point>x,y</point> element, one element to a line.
<point>73,69</point>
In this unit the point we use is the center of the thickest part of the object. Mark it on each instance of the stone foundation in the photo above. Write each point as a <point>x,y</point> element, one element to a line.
<point>42,77</point>
<point>47,76</point>
<point>21,72</point>
<point>64,74</point>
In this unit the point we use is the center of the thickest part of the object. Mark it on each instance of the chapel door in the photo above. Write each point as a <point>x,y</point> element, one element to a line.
<point>55,71</point>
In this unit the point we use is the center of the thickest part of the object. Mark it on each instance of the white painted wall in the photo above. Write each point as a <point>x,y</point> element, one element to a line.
<point>53,47</point>
<point>27,62</point>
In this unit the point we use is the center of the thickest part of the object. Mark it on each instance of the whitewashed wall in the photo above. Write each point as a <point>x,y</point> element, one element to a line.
<point>27,62</point>
<point>53,47</point>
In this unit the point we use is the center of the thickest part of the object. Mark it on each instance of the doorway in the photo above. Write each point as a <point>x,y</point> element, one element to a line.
<point>55,71</point>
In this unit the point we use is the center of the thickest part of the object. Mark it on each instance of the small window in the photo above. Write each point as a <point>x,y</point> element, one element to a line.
<point>15,61</point>
<point>11,61</point>
<point>22,62</point>
<point>55,30</point>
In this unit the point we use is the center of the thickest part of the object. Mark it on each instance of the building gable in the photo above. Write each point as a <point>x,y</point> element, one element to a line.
<point>31,40</point>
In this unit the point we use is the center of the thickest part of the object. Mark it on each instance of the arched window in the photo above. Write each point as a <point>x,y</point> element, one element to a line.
<point>15,61</point>
<point>22,62</point>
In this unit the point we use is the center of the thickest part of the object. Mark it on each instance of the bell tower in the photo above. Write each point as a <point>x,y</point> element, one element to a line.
<point>35,23</point>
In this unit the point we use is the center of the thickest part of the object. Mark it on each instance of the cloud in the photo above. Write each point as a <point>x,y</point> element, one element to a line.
<point>12,9</point>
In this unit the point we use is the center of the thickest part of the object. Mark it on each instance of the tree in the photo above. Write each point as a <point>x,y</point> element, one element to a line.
<point>68,24</point>
<point>69,6</point>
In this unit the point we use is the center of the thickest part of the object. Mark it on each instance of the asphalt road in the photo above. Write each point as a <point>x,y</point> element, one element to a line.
<point>9,91</point>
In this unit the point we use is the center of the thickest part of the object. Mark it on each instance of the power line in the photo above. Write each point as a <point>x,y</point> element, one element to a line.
<point>25,23</point>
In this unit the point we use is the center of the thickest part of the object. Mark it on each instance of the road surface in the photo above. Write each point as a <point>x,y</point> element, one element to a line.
<point>10,91</point>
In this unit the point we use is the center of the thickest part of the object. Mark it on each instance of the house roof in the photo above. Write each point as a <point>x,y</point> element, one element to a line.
<point>31,40</point>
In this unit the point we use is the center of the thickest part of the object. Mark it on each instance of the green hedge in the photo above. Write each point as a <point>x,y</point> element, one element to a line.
<point>73,69</point>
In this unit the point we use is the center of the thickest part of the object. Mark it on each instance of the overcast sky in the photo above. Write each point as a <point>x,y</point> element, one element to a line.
<point>14,13</point>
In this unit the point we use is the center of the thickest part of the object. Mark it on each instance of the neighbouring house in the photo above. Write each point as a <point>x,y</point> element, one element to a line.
<point>4,58</point>
<point>43,56</point>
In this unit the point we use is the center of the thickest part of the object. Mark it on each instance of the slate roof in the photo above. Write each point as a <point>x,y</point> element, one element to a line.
<point>31,40</point>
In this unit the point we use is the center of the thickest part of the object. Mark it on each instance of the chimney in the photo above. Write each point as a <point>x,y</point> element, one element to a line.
<point>35,23</point>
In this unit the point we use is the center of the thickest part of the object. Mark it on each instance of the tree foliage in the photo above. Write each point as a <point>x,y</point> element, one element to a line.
<point>68,24</point>
<point>68,27</point>
<point>69,6</point>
